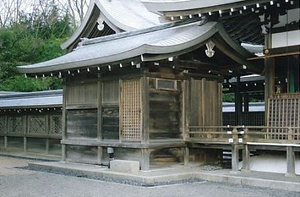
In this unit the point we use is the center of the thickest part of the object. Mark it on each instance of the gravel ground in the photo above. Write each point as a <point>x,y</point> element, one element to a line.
<point>17,181</point>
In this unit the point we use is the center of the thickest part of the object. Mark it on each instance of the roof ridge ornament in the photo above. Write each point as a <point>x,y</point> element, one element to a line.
<point>100,22</point>
<point>209,51</point>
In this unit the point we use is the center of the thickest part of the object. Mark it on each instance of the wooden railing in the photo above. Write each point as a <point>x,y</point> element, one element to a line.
<point>243,134</point>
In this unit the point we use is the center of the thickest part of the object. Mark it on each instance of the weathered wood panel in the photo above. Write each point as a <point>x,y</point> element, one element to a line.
<point>15,143</point>
<point>164,109</point>
<point>36,145</point>
<point>54,147</point>
<point>82,123</point>
<point>205,103</point>
<point>81,93</point>
<point>110,122</point>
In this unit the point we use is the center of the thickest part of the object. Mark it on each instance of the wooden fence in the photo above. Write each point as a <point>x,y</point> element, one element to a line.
<point>31,133</point>
<point>243,134</point>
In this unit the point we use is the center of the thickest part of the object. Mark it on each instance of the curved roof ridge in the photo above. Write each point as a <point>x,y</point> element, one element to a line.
<point>152,45</point>
<point>119,15</point>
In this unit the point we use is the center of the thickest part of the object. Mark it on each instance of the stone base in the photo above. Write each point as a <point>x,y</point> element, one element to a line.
<point>125,166</point>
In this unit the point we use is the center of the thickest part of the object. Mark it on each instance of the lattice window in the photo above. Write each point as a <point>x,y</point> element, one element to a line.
<point>56,124</point>
<point>2,124</point>
<point>284,111</point>
<point>15,124</point>
<point>37,124</point>
<point>131,110</point>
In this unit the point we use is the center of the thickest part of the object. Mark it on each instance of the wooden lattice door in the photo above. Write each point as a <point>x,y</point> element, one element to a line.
<point>131,126</point>
<point>284,113</point>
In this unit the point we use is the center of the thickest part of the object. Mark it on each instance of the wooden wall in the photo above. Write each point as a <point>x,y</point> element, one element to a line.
<point>205,102</point>
<point>165,104</point>
<point>81,93</point>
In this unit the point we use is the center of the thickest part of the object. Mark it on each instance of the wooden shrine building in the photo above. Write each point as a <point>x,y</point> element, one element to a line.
<point>144,80</point>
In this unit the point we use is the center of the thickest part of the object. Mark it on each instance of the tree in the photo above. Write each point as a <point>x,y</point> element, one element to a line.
<point>76,9</point>
<point>34,38</point>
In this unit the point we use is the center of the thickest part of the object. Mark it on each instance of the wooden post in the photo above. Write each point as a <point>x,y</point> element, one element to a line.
<point>99,121</point>
<point>64,123</point>
<point>235,158</point>
<point>25,144</point>
<point>47,146</point>
<point>145,109</point>
<point>63,152</point>
<point>235,151</point>
<point>290,159</point>
<point>5,142</point>
<point>186,156</point>
<point>26,130</point>
<point>145,164</point>
<point>269,81</point>
<point>246,158</point>
<point>100,154</point>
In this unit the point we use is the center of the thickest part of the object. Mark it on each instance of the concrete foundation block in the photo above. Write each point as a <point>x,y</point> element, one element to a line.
<point>125,166</point>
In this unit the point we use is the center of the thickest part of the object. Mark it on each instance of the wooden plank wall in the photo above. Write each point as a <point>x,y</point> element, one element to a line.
<point>164,111</point>
<point>81,93</point>
<point>205,103</point>
<point>82,123</point>
<point>81,105</point>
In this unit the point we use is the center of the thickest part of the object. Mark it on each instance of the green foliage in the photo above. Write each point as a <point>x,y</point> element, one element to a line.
<point>20,83</point>
<point>228,97</point>
<point>30,42</point>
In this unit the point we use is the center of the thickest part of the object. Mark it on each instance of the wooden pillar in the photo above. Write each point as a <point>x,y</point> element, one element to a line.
<point>99,121</point>
<point>234,157</point>
<point>269,82</point>
<point>246,158</point>
<point>26,130</point>
<point>47,146</point>
<point>100,154</point>
<point>64,123</point>
<point>63,152</point>
<point>5,142</point>
<point>145,109</point>
<point>145,164</point>
<point>235,151</point>
<point>290,159</point>
<point>186,156</point>
<point>25,144</point>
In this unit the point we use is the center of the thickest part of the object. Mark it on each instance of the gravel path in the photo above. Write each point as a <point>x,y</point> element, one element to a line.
<point>15,181</point>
